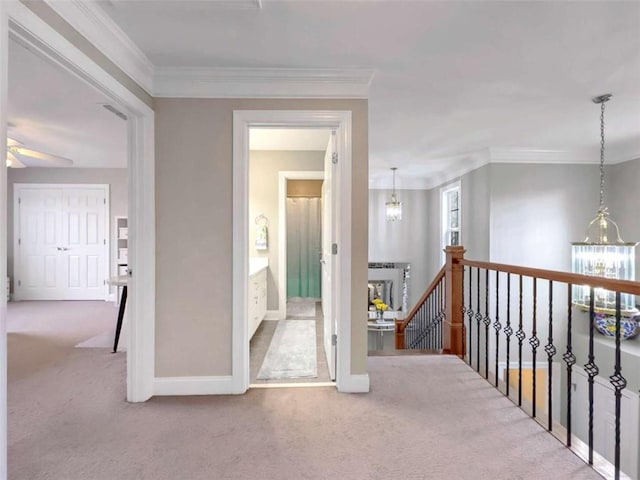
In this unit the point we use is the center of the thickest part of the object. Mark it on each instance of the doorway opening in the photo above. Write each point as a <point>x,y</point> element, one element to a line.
<point>287,214</point>
<point>63,239</point>
<point>336,260</point>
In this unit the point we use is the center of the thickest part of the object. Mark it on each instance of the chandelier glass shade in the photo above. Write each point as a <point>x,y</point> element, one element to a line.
<point>603,253</point>
<point>393,208</point>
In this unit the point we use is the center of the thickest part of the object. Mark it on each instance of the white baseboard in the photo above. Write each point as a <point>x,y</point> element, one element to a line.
<point>272,315</point>
<point>354,384</point>
<point>111,297</point>
<point>222,385</point>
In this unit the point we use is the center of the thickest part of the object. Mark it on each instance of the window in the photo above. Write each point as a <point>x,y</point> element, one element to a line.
<point>451,218</point>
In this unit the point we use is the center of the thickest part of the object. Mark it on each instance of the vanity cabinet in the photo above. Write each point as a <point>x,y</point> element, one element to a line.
<point>257,298</point>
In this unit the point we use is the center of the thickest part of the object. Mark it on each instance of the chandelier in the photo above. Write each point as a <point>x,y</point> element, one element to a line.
<point>603,253</point>
<point>393,206</point>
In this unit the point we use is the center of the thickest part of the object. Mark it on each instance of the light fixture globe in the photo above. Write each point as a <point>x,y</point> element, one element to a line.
<point>603,253</point>
<point>393,207</point>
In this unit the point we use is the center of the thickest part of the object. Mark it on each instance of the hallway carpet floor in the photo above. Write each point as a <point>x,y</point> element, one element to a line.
<point>426,417</point>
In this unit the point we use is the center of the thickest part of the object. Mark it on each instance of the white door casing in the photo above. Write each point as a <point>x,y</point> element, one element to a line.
<point>328,260</point>
<point>20,22</point>
<point>61,247</point>
<point>243,120</point>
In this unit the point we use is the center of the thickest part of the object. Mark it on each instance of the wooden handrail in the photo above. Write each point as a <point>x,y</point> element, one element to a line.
<point>401,326</point>
<point>623,286</point>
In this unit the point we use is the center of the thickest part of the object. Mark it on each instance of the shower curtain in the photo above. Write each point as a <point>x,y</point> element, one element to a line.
<point>304,245</point>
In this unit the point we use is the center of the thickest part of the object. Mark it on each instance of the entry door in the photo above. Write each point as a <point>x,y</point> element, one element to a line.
<point>61,250</point>
<point>328,258</point>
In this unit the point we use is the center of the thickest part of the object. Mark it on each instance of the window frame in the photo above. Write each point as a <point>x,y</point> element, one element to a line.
<point>446,216</point>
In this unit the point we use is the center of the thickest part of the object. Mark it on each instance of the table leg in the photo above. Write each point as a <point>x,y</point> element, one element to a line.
<point>123,303</point>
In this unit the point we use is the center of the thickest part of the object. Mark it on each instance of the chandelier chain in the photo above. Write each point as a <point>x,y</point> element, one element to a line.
<point>602,156</point>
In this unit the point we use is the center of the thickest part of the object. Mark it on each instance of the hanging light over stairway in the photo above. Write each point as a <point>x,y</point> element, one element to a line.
<point>393,206</point>
<point>603,253</point>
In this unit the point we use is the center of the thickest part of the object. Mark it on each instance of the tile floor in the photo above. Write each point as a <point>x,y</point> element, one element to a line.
<point>262,339</point>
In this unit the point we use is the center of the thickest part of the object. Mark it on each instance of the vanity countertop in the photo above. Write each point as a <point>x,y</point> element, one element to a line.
<point>256,264</point>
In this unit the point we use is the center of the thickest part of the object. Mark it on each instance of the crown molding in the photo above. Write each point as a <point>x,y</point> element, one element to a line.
<point>90,20</point>
<point>459,165</point>
<point>574,156</point>
<point>262,82</point>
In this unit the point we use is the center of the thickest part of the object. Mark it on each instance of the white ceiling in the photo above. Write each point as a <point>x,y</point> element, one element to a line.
<point>53,111</point>
<point>455,82</point>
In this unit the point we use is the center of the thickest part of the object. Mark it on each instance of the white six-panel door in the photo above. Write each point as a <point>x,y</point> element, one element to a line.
<point>61,241</point>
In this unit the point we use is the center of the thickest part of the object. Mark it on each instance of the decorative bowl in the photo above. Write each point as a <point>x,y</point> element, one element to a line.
<point>606,325</point>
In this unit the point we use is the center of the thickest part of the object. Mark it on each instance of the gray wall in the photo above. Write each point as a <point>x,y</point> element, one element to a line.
<point>404,240</point>
<point>264,167</point>
<point>194,218</point>
<point>624,202</point>
<point>538,210</point>
<point>475,192</point>
<point>115,177</point>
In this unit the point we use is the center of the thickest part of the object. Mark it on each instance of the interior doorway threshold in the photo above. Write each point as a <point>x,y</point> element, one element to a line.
<point>292,385</point>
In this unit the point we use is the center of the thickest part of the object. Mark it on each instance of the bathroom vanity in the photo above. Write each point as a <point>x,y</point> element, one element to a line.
<point>257,292</point>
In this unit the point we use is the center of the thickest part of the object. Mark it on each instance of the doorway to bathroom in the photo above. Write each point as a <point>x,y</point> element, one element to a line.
<point>286,258</point>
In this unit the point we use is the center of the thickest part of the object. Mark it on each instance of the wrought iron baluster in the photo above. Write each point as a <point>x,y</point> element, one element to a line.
<point>592,370</point>
<point>496,323</point>
<point>619,383</point>
<point>487,322</point>
<point>534,341</point>
<point>478,319</point>
<point>470,313</point>
<point>520,336</point>
<point>551,351</point>
<point>570,360</point>
<point>508,331</point>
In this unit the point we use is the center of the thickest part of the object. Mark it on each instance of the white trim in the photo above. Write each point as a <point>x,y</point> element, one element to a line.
<point>283,177</point>
<point>578,156</point>
<point>213,82</point>
<point>18,188</point>
<point>28,27</point>
<point>341,122</point>
<point>459,165</point>
<point>272,315</point>
<point>4,50</point>
<point>91,21</point>
<point>355,383</point>
<point>292,385</point>
<point>193,385</point>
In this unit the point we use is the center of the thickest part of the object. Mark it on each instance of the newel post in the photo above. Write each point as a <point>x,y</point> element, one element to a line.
<point>399,335</point>
<point>452,332</point>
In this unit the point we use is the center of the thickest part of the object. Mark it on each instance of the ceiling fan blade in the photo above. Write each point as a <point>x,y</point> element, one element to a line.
<point>13,162</point>
<point>12,142</point>
<point>47,157</point>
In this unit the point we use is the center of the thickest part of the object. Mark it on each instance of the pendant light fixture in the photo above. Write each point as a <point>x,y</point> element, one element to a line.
<point>603,253</point>
<point>393,206</point>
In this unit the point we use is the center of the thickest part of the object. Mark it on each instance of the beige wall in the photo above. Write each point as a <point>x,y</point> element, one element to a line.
<point>115,177</point>
<point>264,167</point>
<point>194,230</point>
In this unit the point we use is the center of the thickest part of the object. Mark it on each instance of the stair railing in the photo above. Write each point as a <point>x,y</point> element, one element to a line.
<point>521,330</point>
